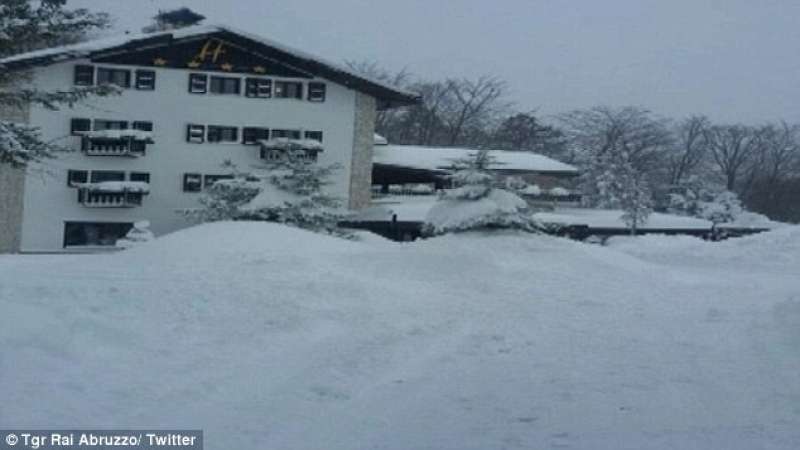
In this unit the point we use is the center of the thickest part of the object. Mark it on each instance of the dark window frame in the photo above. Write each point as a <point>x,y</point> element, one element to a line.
<point>251,135</point>
<point>73,229</point>
<point>94,176</point>
<point>142,125</point>
<point>144,177</point>
<point>84,178</point>
<point>187,187</point>
<point>145,84</point>
<point>198,83</point>
<point>258,88</point>
<point>113,71</point>
<point>278,133</point>
<point>75,127</point>
<point>82,71</point>
<point>215,133</point>
<point>123,124</point>
<point>309,134</point>
<point>219,85</point>
<point>280,89</point>
<point>195,138</point>
<point>317,92</point>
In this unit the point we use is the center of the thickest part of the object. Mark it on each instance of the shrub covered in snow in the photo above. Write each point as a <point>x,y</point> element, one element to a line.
<point>140,233</point>
<point>718,206</point>
<point>478,201</point>
<point>621,186</point>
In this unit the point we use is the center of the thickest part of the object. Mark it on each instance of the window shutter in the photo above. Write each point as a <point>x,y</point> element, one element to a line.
<point>145,80</point>
<point>195,133</point>
<point>316,92</point>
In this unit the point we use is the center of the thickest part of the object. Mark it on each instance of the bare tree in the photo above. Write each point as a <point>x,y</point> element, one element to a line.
<point>733,149</point>
<point>594,132</point>
<point>471,104</point>
<point>689,151</point>
<point>524,131</point>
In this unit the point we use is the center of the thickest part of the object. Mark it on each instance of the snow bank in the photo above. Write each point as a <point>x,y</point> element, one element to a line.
<point>268,336</point>
<point>497,207</point>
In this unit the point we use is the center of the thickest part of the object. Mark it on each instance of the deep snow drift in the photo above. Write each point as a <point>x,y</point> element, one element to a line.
<point>269,337</point>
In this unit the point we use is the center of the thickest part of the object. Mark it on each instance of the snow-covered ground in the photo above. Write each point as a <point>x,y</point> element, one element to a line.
<point>273,338</point>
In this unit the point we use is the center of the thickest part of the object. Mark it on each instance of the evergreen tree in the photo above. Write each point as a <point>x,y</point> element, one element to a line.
<point>291,191</point>
<point>27,25</point>
<point>478,201</point>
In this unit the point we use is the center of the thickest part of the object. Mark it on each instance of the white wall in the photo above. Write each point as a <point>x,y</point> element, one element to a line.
<point>49,202</point>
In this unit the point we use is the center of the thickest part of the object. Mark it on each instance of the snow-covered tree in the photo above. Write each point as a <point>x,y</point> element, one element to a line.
<point>139,234</point>
<point>716,205</point>
<point>27,25</point>
<point>621,186</point>
<point>477,201</point>
<point>290,191</point>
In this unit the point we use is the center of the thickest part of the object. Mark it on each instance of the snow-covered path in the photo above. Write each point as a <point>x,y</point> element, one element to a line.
<point>269,337</point>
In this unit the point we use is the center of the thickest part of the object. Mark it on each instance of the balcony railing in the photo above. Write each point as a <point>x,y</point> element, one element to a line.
<point>284,149</point>
<point>130,143</point>
<point>112,194</point>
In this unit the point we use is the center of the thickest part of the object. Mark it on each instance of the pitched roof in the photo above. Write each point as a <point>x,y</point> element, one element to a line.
<point>387,95</point>
<point>442,158</point>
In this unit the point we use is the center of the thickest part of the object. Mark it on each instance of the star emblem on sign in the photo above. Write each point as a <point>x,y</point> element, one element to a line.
<point>160,62</point>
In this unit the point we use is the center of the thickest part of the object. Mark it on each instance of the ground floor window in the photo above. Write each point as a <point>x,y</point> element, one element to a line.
<point>78,234</point>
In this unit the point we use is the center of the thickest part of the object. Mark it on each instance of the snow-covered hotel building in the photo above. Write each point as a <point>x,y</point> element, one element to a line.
<point>191,100</point>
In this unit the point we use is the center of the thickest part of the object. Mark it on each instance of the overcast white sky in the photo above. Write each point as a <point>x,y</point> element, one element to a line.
<point>734,60</point>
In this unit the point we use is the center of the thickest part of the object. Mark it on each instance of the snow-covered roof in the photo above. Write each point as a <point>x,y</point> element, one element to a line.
<point>442,158</point>
<point>390,95</point>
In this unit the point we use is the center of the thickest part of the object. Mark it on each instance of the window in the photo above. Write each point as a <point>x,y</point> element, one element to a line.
<point>314,135</point>
<point>195,133</point>
<point>198,83</point>
<point>289,134</point>
<point>251,135</point>
<point>143,126</point>
<point>100,176</point>
<point>84,75</point>
<point>209,180</point>
<point>288,89</point>
<point>192,182</point>
<point>222,134</point>
<point>77,177</point>
<point>120,77</point>
<point>225,85</point>
<point>80,126</point>
<point>145,80</point>
<point>143,177</point>
<point>316,92</point>
<point>94,233</point>
<point>101,124</point>
<point>258,88</point>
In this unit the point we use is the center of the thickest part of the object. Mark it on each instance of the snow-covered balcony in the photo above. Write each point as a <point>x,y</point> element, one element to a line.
<point>112,194</point>
<point>130,143</point>
<point>282,149</point>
